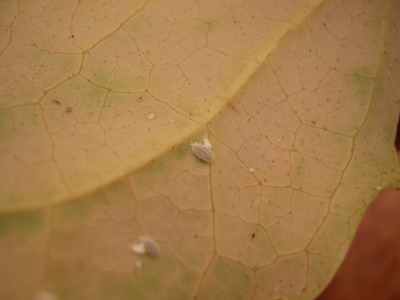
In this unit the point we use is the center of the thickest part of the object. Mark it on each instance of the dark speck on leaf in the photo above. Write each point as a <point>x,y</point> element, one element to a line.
<point>68,109</point>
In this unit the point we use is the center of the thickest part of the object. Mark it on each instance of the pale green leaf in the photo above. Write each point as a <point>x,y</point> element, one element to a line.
<point>100,100</point>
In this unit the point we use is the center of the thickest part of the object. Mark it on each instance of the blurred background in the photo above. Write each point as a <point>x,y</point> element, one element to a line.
<point>371,269</point>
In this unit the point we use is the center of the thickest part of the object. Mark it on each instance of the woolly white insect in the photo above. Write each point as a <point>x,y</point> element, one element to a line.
<point>203,151</point>
<point>147,246</point>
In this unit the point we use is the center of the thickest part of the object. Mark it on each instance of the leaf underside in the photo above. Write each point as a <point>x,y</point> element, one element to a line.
<point>100,101</point>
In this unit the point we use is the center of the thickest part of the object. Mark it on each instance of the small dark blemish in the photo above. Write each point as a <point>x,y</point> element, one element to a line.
<point>68,109</point>
<point>55,101</point>
<point>397,138</point>
<point>253,235</point>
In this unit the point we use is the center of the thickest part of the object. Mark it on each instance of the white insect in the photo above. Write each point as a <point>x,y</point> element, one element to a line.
<point>203,151</point>
<point>150,116</point>
<point>147,246</point>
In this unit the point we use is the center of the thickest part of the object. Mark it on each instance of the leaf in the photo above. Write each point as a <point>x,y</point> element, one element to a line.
<point>98,106</point>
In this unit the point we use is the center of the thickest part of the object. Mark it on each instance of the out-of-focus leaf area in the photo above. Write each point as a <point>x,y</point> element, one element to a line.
<point>99,101</point>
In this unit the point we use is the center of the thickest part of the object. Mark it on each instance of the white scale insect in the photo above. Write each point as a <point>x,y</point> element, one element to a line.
<point>203,151</point>
<point>146,246</point>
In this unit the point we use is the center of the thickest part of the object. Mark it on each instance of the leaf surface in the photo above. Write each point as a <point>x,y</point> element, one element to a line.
<point>99,102</point>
